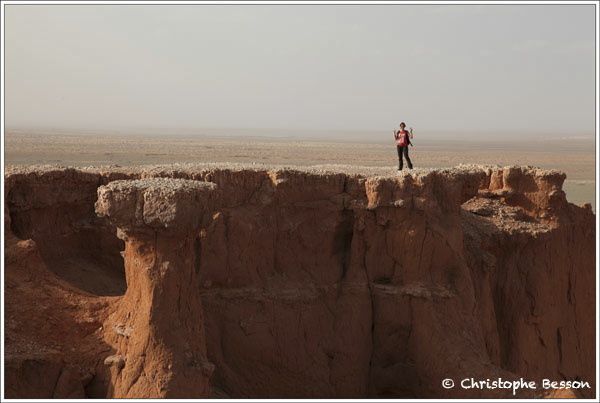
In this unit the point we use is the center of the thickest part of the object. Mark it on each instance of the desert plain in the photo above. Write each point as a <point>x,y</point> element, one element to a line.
<point>354,153</point>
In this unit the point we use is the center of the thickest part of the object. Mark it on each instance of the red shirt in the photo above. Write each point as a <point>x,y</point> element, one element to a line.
<point>402,138</point>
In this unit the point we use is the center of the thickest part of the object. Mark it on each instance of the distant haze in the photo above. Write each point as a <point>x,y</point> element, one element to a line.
<point>525,69</point>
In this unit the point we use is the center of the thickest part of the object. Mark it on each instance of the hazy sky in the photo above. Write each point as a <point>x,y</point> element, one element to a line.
<point>472,68</point>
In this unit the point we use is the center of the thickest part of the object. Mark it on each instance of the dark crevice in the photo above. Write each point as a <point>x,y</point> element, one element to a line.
<point>197,251</point>
<point>343,240</point>
<point>383,280</point>
<point>559,344</point>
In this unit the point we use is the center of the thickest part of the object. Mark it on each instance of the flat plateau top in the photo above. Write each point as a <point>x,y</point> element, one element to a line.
<point>332,169</point>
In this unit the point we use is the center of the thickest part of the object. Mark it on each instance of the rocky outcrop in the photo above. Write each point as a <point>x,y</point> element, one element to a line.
<point>287,283</point>
<point>531,254</point>
<point>158,324</point>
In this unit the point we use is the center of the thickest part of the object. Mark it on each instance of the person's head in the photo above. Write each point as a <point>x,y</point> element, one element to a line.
<point>402,125</point>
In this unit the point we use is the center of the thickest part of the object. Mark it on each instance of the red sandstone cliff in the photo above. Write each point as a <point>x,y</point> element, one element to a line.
<point>283,283</point>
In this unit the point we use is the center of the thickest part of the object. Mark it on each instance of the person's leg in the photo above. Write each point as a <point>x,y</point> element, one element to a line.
<point>408,161</point>
<point>399,149</point>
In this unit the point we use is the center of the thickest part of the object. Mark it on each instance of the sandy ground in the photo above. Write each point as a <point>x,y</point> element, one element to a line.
<point>574,157</point>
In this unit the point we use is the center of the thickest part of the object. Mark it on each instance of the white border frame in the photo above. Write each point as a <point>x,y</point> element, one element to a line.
<point>117,3</point>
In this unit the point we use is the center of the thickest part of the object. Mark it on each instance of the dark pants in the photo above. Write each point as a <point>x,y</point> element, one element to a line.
<point>403,150</point>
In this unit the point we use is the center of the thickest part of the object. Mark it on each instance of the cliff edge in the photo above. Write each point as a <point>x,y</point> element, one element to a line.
<point>210,281</point>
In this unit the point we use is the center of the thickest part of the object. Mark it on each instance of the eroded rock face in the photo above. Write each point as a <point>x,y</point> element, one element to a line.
<point>158,325</point>
<point>299,284</point>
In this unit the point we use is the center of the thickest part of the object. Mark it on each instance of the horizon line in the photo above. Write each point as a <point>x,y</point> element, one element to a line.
<point>138,129</point>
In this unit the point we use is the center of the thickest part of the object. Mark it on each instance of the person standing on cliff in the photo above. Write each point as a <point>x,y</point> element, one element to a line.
<point>402,138</point>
